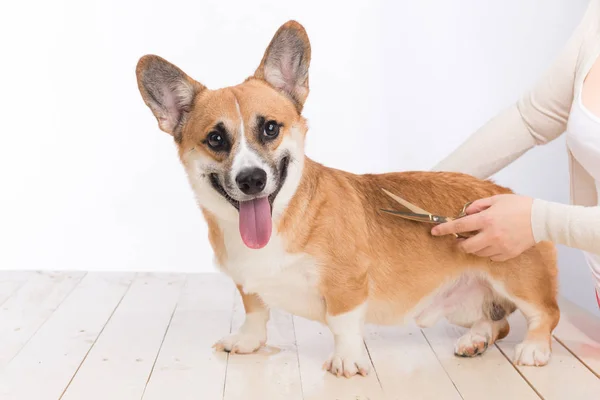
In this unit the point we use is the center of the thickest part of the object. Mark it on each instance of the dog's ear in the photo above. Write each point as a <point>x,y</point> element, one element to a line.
<point>168,91</point>
<point>285,62</point>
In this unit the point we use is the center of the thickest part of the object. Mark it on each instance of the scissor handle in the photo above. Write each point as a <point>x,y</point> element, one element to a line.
<point>462,213</point>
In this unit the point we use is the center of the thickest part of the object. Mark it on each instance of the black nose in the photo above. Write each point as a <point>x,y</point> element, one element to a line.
<point>251,180</point>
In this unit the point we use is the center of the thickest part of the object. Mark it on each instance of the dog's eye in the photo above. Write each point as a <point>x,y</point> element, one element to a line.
<point>216,141</point>
<point>271,129</point>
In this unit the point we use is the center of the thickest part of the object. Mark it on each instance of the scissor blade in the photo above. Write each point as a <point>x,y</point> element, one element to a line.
<point>406,204</point>
<point>412,216</point>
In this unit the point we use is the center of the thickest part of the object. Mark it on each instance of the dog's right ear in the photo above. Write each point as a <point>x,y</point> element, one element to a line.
<point>286,61</point>
<point>168,91</point>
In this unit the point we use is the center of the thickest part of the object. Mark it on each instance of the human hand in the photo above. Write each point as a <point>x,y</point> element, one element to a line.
<point>504,225</point>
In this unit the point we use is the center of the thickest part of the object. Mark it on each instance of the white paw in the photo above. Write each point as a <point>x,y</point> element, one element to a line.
<point>241,343</point>
<point>471,344</point>
<point>532,354</point>
<point>348,364</point>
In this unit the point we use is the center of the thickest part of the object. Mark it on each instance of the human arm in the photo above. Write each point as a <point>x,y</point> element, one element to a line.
<point>570,225</point>
<point>539,116</point>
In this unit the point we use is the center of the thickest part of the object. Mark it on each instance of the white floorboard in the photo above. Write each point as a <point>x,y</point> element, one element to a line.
<point>26,310</point>
<point>45,366</point>
<point>118,366</point>
<point>550,380</point>
<point>580,334</point>
<point>489,376</point>
<point>406,364</point>
<point>187,367</point>
<point>127,336</point>
<point>11,282</point>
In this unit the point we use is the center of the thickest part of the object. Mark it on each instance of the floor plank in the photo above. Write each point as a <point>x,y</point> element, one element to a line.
<point>11,281</point>
<point>23,313</point>
<point>489,376</point>
<point>579,331</point>
<point>270,373</point>
<point>406,365</point>
<point>119,364</point>
<point>43,369</point>
<point>551,380</point>
<point>315,344</point>
<point>188,368</point>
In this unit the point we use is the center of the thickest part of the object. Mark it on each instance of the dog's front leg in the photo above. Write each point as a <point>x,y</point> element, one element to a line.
<point>345,318</point>
<point>253,332</point>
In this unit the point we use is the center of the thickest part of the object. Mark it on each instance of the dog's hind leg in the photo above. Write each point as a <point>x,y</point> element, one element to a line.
<point>482,334</point>
<point>474,305</point>
<point>532,287</point>
<point>536,349</point>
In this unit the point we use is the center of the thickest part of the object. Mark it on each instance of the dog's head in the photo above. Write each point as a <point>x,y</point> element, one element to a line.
<point>242,146</point>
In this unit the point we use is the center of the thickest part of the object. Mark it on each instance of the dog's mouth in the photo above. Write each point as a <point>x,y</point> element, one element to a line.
<point>214,181</point>
<point>255,215</point>
<point>283,170</point>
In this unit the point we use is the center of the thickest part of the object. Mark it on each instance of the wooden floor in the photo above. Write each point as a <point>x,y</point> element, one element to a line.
<point>113,336</point>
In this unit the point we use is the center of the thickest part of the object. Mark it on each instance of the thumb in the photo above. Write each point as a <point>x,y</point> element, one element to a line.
<point>480,205</point>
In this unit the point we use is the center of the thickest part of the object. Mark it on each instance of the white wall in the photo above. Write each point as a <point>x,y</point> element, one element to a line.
<point>89,182</point>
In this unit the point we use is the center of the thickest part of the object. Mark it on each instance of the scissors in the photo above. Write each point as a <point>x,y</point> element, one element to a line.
<point>418,214</point>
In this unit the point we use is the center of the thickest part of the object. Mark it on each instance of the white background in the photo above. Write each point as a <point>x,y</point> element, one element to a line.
<point>89,182</point>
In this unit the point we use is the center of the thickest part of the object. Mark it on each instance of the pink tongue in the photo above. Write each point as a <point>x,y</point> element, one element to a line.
<point>255,222</point>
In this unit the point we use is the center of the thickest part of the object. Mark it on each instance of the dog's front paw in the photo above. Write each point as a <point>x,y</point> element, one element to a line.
<point>241,343</point>
<point>532,354</point>
<point>348,364</point>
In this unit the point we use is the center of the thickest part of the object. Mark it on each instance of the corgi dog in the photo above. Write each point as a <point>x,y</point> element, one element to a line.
<point>296,235</point>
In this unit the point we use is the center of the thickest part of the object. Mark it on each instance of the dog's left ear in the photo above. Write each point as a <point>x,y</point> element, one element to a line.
<point>285,63</point>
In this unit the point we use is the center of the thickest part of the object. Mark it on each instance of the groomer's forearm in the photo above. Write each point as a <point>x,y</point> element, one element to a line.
<point>569,225</point>
<point>498,143</point>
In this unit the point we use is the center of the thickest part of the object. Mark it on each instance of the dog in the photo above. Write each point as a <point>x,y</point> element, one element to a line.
<point>296,235</point>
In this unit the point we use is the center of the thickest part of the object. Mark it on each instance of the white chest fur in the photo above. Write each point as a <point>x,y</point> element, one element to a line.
<point>282,280</point>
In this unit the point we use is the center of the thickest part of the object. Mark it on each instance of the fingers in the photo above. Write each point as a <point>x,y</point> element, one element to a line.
<point>488,252</point>
<point>489,241</point>
<point>472,222</point>
<point>466,224</point>
<point>482,247</point>
<point>480,205</point>
<point>506,254</point>
<point>474,244</point>
<point>500,257</point>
